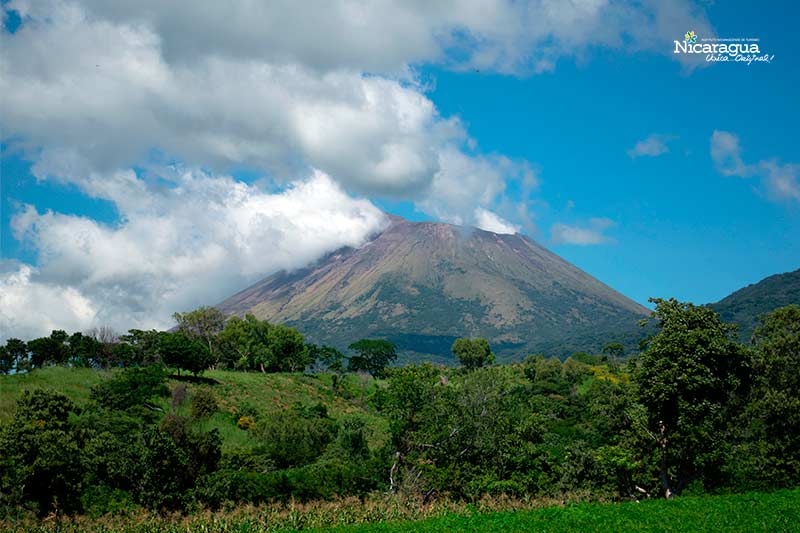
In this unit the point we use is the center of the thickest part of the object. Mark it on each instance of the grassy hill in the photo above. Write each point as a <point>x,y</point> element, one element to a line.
<point>233,391</point>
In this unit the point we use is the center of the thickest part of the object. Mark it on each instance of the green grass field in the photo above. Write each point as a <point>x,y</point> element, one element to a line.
<point>778,511</point>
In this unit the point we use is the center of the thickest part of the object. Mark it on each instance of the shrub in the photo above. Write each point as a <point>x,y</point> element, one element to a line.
<point>204,404</point>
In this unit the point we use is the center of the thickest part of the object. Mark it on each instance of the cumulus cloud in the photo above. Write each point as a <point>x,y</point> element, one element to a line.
<point>110,87</point>
<point>91,90</point>
<point>193,243</point>
<point>653,145</point>
<point>779,181</point>
<point>582,235</point>
<point>386,37</point>
<point>29,309</point>
<point>464,182</point>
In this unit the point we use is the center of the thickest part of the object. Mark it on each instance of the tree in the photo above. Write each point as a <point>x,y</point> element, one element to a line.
<point>183,352</point>
<point>614,349</point>
<point>769,455</point>
<point>372,356</point>
<point>252,344</point>
<point>132,387</point>
<point>86,351</point>
<point>40,454</point>
<point>473,353</point>
<point>7,360</point>
<point>204,324</point>
<point>245,343</point>
<point>50,349</point>
<point>288,349</point>
<point>17,354</point>
<point>331,358</point>
<point>691,376</point>
<point>138,348</point>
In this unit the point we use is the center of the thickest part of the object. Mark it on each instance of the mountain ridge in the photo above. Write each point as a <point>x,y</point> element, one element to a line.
<point>744,306</point>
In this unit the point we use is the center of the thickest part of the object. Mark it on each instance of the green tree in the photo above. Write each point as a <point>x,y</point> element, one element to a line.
<point>691,377</point>
<point>40,454</point>
<point>288,349</point>
<point>7,360</point>
<point>372,356</point>
<point>473,353</point>
<point>769,455</point>
<point>86,351</point>
<point>614,349</point>
<point>295,437</point>
<point>203,324</point>
<point>17,353</point>
<point>245,343</point>
<point>331,359</point>
<point>52,349</point>
<point>183,352</point>
<point>138,348</point>
<point>132,387</point>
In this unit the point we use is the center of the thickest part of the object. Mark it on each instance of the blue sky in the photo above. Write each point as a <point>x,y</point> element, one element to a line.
<point>682,229</point>
<point>562,105</point>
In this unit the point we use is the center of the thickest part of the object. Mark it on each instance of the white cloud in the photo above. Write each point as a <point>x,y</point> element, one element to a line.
<point>779,182</point>
<point>110,87</point>
<point>464,182</point>
<point>191,244</point>
<point>486,220</point>
<point>386,37</point>
<point>29,309</point>
<point>653,145</point>
<point>582,235</point>
<point>92,89</point>
<point>726,154</point>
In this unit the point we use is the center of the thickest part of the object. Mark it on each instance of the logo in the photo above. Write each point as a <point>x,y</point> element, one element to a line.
<point>721,50</point>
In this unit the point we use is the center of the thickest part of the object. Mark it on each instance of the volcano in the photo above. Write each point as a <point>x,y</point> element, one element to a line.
<point>423,284</point>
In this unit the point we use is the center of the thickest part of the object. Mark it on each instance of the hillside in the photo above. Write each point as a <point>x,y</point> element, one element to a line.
<point>235,392</point>
<point>421,285</point>
<point>744,306</point>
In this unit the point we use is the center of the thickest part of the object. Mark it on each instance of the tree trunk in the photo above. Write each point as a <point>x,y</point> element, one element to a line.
<point>665,483</point>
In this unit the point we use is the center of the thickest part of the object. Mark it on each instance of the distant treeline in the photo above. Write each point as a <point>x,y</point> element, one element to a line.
<point>203,339</point>
<point>694,412</point>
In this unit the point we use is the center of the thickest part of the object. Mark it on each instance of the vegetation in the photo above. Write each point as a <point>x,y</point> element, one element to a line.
<point>752,512</point>
<point>473,353</point>
<point>92,427</point>
<point>745,306</point>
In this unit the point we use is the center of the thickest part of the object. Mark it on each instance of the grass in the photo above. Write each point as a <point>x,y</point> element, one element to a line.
<point>74,382</point>
<point>263,392</point>
<point>778,511</point>
<point>753,512</point>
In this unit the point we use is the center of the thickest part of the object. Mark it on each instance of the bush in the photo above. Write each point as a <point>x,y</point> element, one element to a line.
<point>204,404</point>
<point>133,387</point>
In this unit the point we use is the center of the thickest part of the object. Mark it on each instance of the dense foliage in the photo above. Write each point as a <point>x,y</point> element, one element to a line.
<point>695,412</point>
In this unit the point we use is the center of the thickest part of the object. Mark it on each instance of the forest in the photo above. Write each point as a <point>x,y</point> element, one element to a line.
<point>160,427</point>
